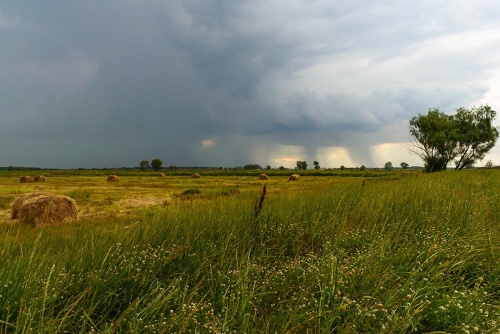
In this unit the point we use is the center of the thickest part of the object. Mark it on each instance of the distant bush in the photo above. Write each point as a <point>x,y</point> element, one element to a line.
<point>192,192</point>
<point>229,191</point>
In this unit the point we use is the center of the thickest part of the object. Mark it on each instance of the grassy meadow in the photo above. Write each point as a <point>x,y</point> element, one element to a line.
<point>351,252</point>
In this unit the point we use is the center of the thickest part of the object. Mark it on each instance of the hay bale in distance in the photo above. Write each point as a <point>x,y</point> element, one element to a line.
<point>294,177</point>
<point>113,178</point>
<point>161,175</point>
<point>39,178</point>
<point>47,209</point>
<point>19,202</point>
<point>26,179</point>
<point>195,176</point>
<point>263,177</point>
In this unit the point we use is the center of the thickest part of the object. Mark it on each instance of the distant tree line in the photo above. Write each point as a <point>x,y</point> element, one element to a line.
<point>252,167</point>
<point>157,164</point>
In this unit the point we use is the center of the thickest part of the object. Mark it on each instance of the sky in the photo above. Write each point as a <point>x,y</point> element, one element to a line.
<point>109,83</point>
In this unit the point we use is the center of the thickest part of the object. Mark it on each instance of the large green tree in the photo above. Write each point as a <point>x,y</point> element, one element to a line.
<point>144,164</point>
<point>432,137</point>
<point>439,138</point>
<point>476,135</point>
<point>301,165</point>
<point>156,164</point>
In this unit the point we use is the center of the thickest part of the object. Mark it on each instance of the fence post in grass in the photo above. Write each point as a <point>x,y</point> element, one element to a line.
<point>258,237</point>
<point>258,207</point>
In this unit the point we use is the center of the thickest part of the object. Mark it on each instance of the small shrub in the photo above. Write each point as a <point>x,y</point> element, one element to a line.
<point>229,191</point>
<point>192,192</point>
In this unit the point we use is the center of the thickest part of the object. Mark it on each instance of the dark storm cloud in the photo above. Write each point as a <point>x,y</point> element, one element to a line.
<point>108,83</point>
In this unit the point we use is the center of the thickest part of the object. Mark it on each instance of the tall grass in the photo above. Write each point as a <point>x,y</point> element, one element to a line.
<point>396,255</point>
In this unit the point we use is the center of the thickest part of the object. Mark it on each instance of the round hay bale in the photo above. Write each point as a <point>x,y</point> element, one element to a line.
<point>113,178</point>
<point>47,209</point>
<point>294,177</point>
<point>39,178</point>
<point>26,179</point>
<point>19,202</point>
<point>195,176</point>
<point>161,175</point>
<point>263,177</point>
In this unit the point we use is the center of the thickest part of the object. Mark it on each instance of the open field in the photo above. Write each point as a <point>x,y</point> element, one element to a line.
<point>347,253</point>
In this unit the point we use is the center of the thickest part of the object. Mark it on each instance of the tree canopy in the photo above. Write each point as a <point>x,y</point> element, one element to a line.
<point>476,135</point>
<point>144,164</point>
<point>156,164</point>
<point>439,138</point>
<point>252,166</point>
<point>301,165</point>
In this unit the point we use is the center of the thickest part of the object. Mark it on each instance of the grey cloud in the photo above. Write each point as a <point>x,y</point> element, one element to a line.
<point>333,113</point>
<point>102,83</point>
